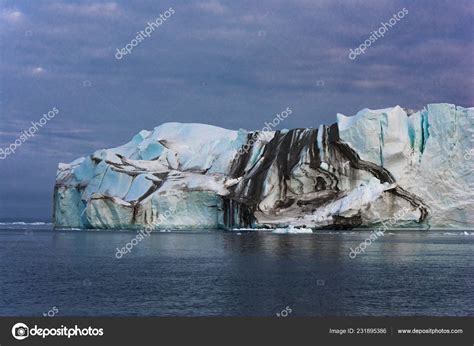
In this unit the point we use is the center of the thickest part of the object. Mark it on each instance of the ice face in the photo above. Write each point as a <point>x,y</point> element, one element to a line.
<point>389,138</point>
<point>424,152</point>
<point>358,172</point>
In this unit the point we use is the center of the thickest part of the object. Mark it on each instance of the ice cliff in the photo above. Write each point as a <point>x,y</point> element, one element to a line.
<point>361,171</point>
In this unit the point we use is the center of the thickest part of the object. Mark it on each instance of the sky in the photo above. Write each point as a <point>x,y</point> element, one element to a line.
<point>234,64</point>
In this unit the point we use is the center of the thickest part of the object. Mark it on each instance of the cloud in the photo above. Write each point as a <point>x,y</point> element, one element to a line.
<point>213,6</point>
<point>11,15</point>
<point>220,33</point>
<point>255,18</point>
<point>37,71</point>
<point>211,65</point>
<point>331,4</point>
<point>107,9</point>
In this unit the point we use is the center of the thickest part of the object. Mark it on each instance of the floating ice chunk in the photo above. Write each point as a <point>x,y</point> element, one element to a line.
<point>292,230</point>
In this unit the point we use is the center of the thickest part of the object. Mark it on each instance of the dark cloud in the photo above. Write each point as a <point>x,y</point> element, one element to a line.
<point>231,64</point>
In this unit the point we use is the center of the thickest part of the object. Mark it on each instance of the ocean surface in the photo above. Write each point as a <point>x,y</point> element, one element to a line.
<point>219,273</point>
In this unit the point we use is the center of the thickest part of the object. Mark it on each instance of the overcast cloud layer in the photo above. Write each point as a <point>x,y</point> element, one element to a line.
<point>233,64</point>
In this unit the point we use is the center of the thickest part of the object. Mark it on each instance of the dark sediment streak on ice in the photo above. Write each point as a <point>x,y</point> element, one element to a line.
<point>285,151</point>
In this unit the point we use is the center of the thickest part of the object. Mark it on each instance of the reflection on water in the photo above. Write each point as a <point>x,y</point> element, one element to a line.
<point>235,273</point>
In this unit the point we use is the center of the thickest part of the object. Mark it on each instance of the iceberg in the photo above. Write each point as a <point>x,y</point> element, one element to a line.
<point>292,230</point>
<point>362,171</point>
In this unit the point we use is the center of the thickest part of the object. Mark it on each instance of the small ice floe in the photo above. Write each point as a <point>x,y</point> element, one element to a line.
<point>292,230</point>
<point>239,233</point>
<point>458,233</point>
